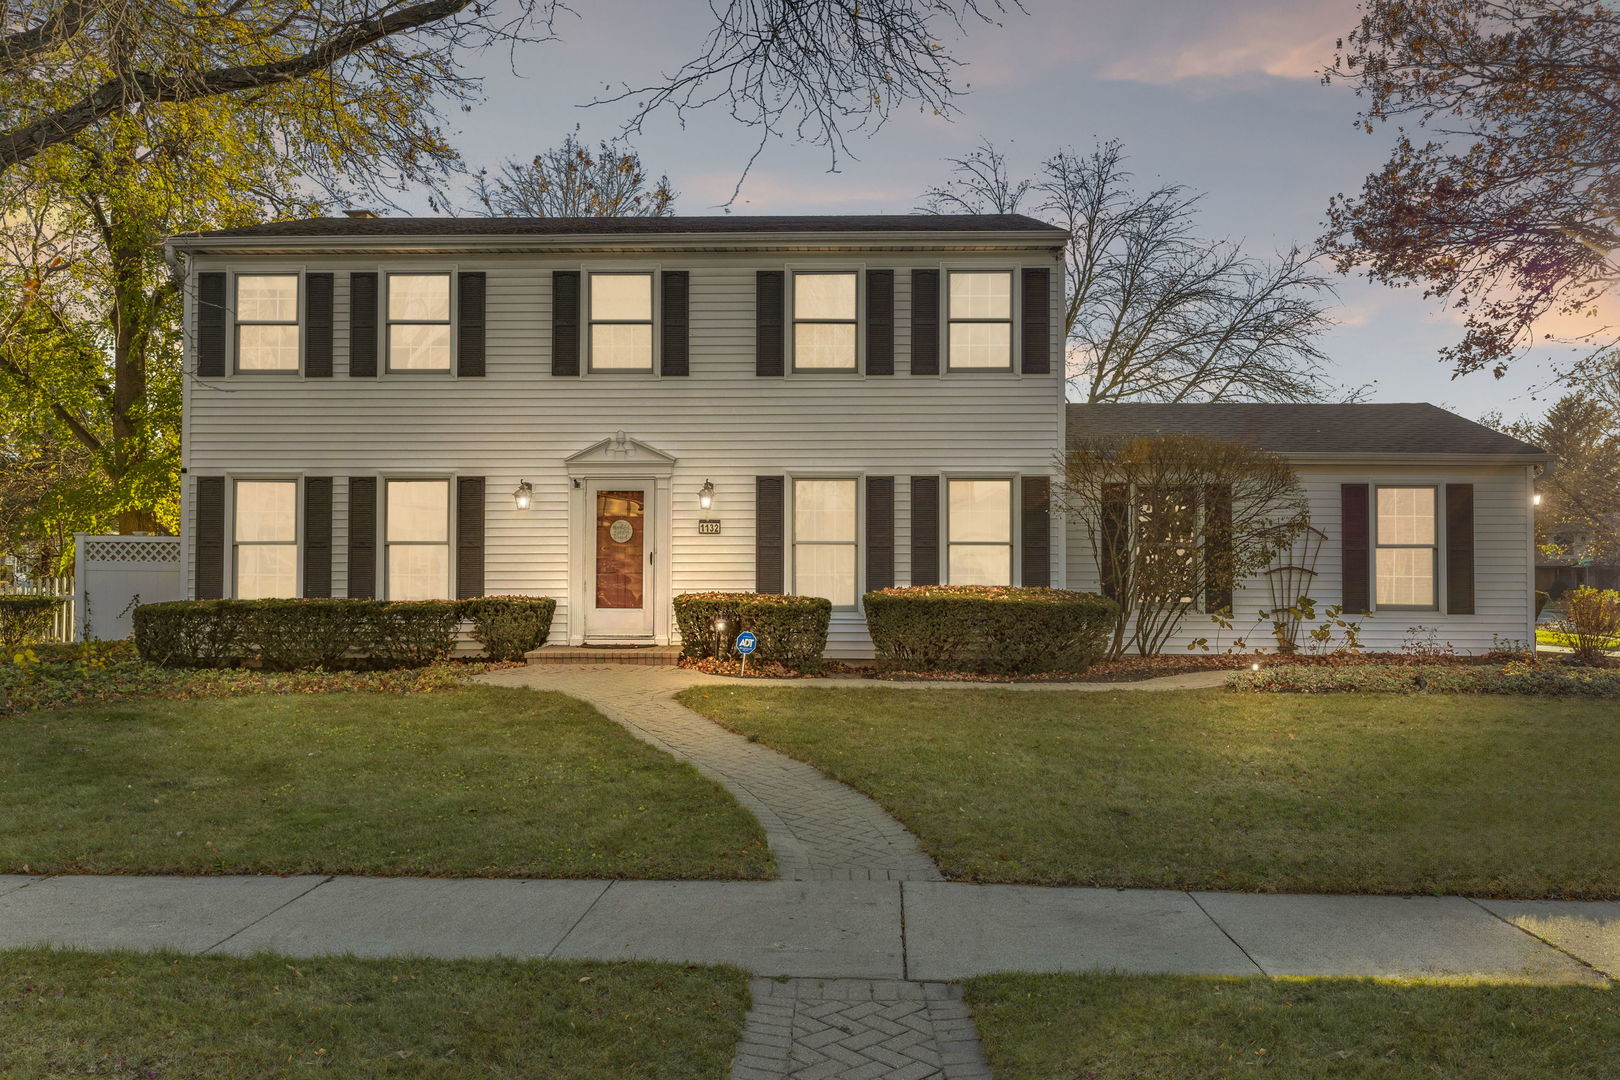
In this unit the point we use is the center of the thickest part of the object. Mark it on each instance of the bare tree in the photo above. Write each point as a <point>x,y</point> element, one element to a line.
<point>569,180</point>
<point>1154,311</point>
<point>1177,521</point>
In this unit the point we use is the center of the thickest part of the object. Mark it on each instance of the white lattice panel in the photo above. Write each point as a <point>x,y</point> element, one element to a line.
<point>133,549</point>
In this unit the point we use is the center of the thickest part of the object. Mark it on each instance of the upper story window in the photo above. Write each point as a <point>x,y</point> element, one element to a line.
<point>824,322</point>
<point>979,532</point>
<point>1407,554</point>
<point>417,540</point>
<point>980,314</point>
<point>824,539</point>
<point>265,538</point>
<point>267,322</point>
<point>621,322</point>
<point>418,322</point>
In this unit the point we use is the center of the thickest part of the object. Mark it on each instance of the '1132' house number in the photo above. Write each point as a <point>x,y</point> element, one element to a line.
<point>709,527</point>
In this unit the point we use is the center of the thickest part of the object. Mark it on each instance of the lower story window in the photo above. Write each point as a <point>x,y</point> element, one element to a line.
<point>418,539</point>
<point>979,532</point>
<point>824,539</point>
<point>265,535</point>
<point>1407,550</point>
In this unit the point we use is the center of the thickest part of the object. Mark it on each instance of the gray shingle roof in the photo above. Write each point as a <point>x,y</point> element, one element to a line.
<point>663,226</point>
<point>1414,428</point>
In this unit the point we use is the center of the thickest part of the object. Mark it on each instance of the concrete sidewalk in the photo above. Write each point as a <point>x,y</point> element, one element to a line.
<point>886,930</point>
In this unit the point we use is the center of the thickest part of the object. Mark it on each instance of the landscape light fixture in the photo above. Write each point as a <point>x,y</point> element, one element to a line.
<point>1255,666</point>
<point>706,495</point>
<point>524,495</point>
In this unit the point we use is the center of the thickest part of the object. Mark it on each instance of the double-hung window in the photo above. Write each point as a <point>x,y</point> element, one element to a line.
<point>621,322</point>
<point>1407,555</point>
<point>417,541</point>
<point>824,322</point>
<point>824,532</point>
<point>265,539</point>
<point>980,315</point>
<point>267,322</point>
<point>979,532</point>
<point>418,322</point>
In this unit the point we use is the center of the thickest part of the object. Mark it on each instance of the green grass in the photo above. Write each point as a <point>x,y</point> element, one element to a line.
<point>482,782</point>
<point>1548,636</point>
<point>1161,1027</point>
<point>74,1014</point>
<point>1344,793</point>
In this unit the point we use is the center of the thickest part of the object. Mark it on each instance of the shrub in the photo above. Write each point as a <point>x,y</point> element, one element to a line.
<point>792,630</point>
<point>1541,601</point>
<point>509,626</point>
<point>1591,622</point>
<point>1512,678</point>
<point>296,634</point>
<point>995,630</point>
<point>25,619</point>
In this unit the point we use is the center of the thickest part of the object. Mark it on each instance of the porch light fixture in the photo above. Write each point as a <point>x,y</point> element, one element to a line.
<point>524,495</point>
<point>1535,500</point>
<point>706,495</point>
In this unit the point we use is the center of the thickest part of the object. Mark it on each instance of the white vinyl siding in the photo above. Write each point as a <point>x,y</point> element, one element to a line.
<point>621,322</point>
<point>418,322</point>
<point>978,528</point>
<point>264,538</point>
<point>267,322</point>
<point>824,321</point>
<point>825,531</point>
<point>417,539</point>
<point>979,305</point>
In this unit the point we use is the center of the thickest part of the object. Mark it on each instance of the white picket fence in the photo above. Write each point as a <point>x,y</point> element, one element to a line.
<point>62,624</point>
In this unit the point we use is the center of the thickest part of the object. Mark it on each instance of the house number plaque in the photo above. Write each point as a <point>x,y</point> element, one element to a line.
<point>708,526</point>
<point>621,531</point>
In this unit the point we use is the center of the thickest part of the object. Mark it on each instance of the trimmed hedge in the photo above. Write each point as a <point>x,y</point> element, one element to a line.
<point>988,629</point>
<point>509,626</point>
<point>792,630</point>
<point>1513,678</point>
<point>24,619</point>
<point>293,635</point>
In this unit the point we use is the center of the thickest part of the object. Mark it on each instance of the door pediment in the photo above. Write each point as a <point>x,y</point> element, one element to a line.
<point>620,455</point>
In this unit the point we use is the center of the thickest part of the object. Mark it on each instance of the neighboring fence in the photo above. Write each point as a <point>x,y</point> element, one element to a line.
<point>117,572</point>
<point>62,628</point>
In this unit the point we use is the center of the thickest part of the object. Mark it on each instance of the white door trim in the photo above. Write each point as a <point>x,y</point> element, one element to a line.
<point>582,561</point>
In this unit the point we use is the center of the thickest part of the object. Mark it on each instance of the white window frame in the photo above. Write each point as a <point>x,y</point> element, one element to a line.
<point>1434,548</point>
<point>237,322</point>
<point>388,324</point>
<point>1011,320</point>
<point>857,321</point>
<point>384,589</point>
<point>651,322</point>
<point>296,543</point>
<point>1011,543</point>
<point>794,542</point>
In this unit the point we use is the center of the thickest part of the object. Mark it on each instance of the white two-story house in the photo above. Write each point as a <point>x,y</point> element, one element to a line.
<point>612,412</point>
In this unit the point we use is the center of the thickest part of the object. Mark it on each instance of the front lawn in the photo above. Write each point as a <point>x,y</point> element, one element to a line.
<point>1162,1027</point>
<point>1214,790</point>
<point>480,782</point>
<point>73,1014</point>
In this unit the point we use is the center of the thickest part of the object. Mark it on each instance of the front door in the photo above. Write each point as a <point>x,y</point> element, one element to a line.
<point>619,562</point>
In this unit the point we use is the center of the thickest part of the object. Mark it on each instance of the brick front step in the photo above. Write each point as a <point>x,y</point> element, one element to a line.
<point>652,656</point>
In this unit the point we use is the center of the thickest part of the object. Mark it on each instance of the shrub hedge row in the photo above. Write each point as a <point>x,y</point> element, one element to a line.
<point>24,619</point>
<point>295,635</point>
<point>792,630</point>
<point>1513,678</point>
<point>999,630</point>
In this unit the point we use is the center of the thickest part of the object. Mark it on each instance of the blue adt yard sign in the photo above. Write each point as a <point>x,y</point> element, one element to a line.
<point>747,642</point>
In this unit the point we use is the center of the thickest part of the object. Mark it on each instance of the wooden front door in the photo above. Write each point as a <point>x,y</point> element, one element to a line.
<point>619,564</point>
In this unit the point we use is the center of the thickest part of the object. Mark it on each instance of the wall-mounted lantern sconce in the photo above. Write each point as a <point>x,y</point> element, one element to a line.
<point>1535,500</point>
<point>706,495</point>
<point>524,495</point>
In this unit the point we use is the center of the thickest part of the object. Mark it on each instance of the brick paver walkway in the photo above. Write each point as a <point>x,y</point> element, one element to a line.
<point>818,829</point>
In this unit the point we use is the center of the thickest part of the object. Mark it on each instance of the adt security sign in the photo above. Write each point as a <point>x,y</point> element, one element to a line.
<point>747,642</point>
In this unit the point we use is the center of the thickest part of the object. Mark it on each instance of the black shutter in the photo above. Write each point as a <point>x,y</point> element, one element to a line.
<point>1035,511</point>
<point>880,322</point>
<point>363,537</point>
<point>1036,323</point>
<point>210,326</point>
<point>470,324</point>
<point>674,326</point>
<point>770,307</point>
<point>469,537</point>
<point>565,322</point>
<point>1218,583</point>
<point>879,533</point>
<point>209,553</point>
<point>1459,549</point>
<point>925,530</point>
<point>1355,548</point>
<point>769,527</point>
<point>925,322</point>
<point>1116,539</point>
<point>318,326</point>
<point>317,536</point>
<point>363,325</point>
